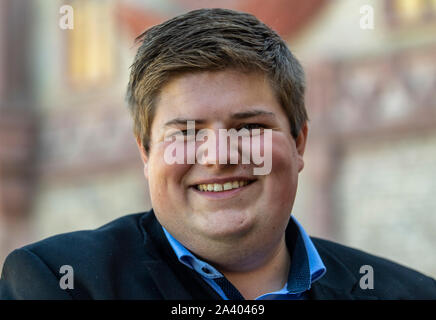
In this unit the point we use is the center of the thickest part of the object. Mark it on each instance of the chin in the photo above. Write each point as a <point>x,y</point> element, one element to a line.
<point>221,225</point>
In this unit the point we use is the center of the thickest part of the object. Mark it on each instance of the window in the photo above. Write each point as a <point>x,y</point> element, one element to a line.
<point>90,46</point>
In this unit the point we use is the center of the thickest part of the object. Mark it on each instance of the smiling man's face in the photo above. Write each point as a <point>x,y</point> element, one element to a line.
<point>252,212</point>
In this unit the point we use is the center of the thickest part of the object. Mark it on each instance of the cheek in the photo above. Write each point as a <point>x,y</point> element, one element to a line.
<point>165,178</point>
<point>274,153</point>
<point>284,156</point>
<point>284,174</point>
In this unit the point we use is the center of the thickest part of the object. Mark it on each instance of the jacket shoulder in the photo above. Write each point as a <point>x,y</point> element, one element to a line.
<point>391,280</point>
<point>111,235</point>
<point>105,262</point>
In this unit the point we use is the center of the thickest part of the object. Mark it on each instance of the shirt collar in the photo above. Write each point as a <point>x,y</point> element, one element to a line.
<point>306,264</point>
<point>316,266</point>
<point>191,261</point>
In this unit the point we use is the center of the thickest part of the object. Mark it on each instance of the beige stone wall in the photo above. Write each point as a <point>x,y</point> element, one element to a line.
<point>89,202</point>
<point>385,199</point>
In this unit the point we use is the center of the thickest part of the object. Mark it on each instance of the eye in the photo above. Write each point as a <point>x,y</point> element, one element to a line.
<point>185,133</point>
<point>251,126</point>
<point>177,133</point>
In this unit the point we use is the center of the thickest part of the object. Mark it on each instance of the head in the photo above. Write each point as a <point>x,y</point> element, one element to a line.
<point>220,68</point>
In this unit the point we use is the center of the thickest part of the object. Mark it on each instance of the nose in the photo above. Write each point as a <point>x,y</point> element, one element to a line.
<point>219,150</point>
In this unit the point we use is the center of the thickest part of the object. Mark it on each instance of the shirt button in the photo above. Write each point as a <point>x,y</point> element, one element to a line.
<point>205,270</point>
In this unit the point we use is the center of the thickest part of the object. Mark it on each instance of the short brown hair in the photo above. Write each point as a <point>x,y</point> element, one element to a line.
<point>208,40</point>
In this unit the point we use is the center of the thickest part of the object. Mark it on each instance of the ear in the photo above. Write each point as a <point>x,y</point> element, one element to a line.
<point>300,144</point>
<point>144,156</point>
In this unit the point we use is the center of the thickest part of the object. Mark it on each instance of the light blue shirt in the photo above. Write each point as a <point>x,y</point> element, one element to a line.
<point>306,266</point>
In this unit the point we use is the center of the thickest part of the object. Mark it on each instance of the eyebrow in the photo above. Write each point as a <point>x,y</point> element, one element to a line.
<point>251,114</point>
<point>237,115</point>
<point>182,121</point>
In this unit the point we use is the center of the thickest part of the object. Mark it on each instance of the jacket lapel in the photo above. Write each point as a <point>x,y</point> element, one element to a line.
<point>167,283</point>
<point>339,282</point>
<point>174,280</point>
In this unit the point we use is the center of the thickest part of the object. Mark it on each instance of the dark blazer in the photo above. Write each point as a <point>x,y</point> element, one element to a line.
<point>130,258</point>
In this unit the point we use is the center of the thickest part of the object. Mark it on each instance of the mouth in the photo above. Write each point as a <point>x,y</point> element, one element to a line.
<point>222,187</point>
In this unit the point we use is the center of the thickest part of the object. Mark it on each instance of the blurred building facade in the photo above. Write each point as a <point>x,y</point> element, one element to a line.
<point>371,159</point>
<point>68,160</point>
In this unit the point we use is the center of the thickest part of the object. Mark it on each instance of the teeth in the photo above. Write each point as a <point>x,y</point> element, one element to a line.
<point>227,186</point>
<point>217,187</point>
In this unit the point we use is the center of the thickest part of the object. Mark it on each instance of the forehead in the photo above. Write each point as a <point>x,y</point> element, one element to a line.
<point>214,95</point>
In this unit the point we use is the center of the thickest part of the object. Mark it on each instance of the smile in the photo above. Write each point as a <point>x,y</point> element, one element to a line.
<point>220,187</point>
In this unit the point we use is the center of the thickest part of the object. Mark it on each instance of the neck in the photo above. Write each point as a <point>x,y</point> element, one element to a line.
<point>269,275</point>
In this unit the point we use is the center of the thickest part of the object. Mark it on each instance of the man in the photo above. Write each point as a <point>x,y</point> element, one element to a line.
<point>217,230</point>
